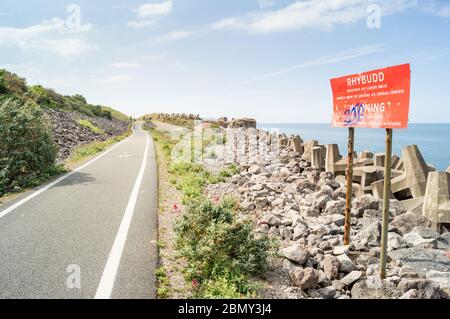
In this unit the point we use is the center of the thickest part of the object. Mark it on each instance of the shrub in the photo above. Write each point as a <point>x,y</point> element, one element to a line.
<point>27,151</point>
<point>216,244</point>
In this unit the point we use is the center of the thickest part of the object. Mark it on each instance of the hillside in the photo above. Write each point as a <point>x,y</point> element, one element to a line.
<point>73,120</point>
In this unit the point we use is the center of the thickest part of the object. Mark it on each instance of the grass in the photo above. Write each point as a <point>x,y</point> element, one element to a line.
<point>87,150</point>
<point>89,125</point>
<point>163,290</point>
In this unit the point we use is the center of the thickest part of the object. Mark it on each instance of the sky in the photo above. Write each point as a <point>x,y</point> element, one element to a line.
<point>266,59</point>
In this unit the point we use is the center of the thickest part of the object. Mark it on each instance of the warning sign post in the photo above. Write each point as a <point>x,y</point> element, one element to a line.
<point>374,99</point>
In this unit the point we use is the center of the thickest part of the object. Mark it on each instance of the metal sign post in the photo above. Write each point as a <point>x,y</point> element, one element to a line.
<point>349,173</point>
<point>373,99</point>
<point>386,198</point>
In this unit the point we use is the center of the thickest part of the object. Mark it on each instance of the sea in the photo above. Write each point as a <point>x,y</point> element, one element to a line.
<point>433,140</point>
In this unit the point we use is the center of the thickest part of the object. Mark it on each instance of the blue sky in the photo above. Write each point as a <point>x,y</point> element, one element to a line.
<point>267,59</point>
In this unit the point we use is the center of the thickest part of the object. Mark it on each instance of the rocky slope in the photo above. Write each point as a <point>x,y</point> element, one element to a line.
<point>302,208</point>
<point>68,133</point>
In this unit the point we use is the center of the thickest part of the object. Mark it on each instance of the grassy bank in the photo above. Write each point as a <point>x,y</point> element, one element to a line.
<point>218,248</point>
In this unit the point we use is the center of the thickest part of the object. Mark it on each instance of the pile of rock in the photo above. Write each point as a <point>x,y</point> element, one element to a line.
<point>68,134</point>
<point>300,200</point>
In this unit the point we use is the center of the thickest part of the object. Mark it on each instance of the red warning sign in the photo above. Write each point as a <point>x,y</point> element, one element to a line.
<point>374,99</point>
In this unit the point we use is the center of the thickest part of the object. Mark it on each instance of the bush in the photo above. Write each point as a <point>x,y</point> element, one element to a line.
<point>217,245</point>
<point>27,151</point>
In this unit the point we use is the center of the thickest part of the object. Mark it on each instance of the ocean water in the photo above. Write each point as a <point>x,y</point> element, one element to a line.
<point>433,140</point>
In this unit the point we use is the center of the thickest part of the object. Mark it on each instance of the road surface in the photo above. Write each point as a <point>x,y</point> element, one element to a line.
<point>90,234</point>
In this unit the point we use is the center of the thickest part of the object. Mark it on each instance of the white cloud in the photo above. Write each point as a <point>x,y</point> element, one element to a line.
<point>149,13</point>
<point>309,13</point>
<point>50,35</point>
<point>338,57</point>
<point>116,79</point>
<point>154,9</point>
<point>126,65</point>
<point>172,36</point>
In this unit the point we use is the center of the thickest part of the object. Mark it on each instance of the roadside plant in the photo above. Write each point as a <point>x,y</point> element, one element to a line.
<point>27,151</point>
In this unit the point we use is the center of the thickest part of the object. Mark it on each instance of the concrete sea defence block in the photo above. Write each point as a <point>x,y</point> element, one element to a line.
<point>318,154</point>
<point>379,159</point>
<point>413,182</point>
<point>295,144</point>
<point>332,156</point>
<point>436,206</point>
<point>378,190</point>
<point>308,146</point>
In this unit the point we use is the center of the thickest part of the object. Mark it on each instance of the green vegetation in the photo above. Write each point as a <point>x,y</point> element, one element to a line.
<point>87,150</point>
<point>89,125</point>
<point>220,249</point>
<point>27,151</point>
<point>13,86</point>
<point>163,283</point>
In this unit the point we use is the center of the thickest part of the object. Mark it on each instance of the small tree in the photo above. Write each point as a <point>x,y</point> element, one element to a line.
<point>27,151</point>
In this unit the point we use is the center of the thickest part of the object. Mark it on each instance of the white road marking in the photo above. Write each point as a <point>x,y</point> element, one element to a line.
<point>43,189</point>
<point>106,284</point>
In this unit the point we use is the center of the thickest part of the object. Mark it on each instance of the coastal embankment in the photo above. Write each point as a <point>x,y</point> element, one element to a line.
<point>294,192</point>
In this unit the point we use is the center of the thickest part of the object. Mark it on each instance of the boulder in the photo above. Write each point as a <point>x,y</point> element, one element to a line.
<point>351,278</point>
<point>271,220</point>
<point>304,278</point>
<point>300,231</point>
<point>422,259</point>
<point>295,253</point>
<point>422,236</point>
<point>405,223</point>
<point>374,288</point>
<point>335,207</point>
<point>346,265</point>
<point>331,266</point>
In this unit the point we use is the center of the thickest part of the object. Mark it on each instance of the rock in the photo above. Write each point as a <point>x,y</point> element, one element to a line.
<point>254,169</point>
<point>395,241</point>
<point>247,206</point>
<point>309,212</point>
<point>413,239</point>
<point>339,250</point>
<point>410,294</point>
<point>304,278</point>
<point>334,207</point>
<point>295,253</point>
<point>426,289</point>
<point>331,266</point>
<point>325,293</point>
<point>365,202</point>
<point>405,223</point>
<point>338,285</point>
<point>408,272</point>
<point>345,264</point>
<point>440,277</point>
<point>338,220</point>
<point>286,233</point>
<point>370,233</point>
<point>374,288</point>
<point>351,278</point>
<point>325,245</point>
<point>422,259</point>
<point>300,231</point>
<point>271,220</point>
<point>284,172</point>
<point>322,201</point>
